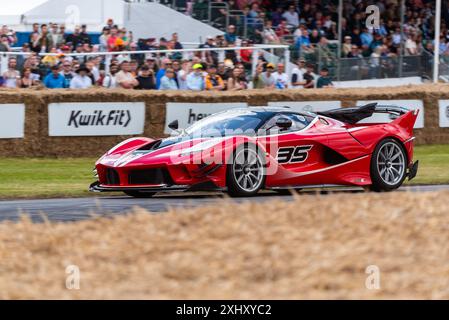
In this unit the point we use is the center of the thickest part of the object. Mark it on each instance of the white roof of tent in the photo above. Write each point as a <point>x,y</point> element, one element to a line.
<point>93,13</point>
<point>11,11</point>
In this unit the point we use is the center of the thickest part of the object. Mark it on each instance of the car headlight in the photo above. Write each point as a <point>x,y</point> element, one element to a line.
<point>95,173</point>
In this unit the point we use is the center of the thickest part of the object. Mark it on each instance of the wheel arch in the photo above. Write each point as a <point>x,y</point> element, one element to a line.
<point>397,139</point>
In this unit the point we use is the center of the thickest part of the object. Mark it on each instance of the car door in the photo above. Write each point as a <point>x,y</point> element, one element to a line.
<point>294,152</point>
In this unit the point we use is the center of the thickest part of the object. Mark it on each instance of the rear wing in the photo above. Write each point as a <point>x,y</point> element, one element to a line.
<point>357,114</point>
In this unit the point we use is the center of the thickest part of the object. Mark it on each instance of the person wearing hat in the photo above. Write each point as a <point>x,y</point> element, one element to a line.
<point>168,81</point>
<point>195,80</point>
<point>81,80</point>
<point>54,80</point>
<point>324,81</point>
<point>67,72</point>
<point>347,45</point>
<point>150,61</point>
<point>104,39</point>
<point>267,77</point>
<point>166,63</point>
<point>213,81</point>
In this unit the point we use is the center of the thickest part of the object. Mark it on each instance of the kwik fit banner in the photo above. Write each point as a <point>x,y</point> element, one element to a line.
<point>96,119</point>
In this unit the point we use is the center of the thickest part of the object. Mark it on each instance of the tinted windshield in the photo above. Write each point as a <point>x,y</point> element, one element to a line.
<point>229,123</point>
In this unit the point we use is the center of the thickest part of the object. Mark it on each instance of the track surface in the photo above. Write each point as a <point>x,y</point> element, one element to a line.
<point>68,210</point>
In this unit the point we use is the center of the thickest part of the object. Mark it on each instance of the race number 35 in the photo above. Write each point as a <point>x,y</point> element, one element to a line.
<point>293,154</point>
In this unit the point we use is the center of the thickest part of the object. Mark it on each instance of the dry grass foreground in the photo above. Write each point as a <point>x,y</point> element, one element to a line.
<point>313,247</point>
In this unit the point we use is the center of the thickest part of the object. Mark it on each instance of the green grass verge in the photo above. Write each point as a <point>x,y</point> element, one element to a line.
<point>433,164</point>
<point>44,178</point>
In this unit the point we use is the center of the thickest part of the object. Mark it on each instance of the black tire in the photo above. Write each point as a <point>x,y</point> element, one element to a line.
<point>388,169</point>
<point>139,194</point>
<point>238,172</point>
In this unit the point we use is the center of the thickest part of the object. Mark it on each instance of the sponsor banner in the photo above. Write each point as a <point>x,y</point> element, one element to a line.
<point>189,113</point>
<point>307,106</point>
<point>96,119</point>
<point>444,113</point>
<point>408,104</point>
<point>12,121</point>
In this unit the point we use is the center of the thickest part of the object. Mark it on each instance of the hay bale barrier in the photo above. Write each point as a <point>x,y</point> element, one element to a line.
<point>37,142</point>
<point>315,247</point>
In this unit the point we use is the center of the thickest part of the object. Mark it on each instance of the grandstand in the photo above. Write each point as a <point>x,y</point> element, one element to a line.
<point>227,34</point>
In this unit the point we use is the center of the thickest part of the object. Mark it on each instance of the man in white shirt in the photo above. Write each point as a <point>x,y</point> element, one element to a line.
<point>297,75</point>
<point>81,80</point>
<point>411,47</point>
<point>183,73</point>
<point>292,17</point>
<point>281,78</point>
<point>110,80</point>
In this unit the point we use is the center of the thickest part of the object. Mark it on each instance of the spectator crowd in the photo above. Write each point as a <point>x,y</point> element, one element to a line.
<point>58,60</point>
<point>305,25</point>
<point>310,23</point>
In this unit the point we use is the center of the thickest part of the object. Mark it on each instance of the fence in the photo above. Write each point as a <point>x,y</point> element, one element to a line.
<point>186,53</point>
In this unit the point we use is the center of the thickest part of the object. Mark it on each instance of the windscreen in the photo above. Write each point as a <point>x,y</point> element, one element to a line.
<point>228,123</point>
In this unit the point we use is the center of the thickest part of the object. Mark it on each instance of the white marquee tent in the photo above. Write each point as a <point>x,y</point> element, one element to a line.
<point>93,13</point>
<point>146,20</point>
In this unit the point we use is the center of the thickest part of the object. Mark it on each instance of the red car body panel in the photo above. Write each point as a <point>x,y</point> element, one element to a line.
<point>327,139</point>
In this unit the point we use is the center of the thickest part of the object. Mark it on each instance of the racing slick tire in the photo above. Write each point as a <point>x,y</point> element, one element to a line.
<point>388,166</point>
<point>139,194</point>
<point>245,174</point>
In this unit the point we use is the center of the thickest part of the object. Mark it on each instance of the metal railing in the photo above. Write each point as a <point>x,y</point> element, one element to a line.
<point>216,20</point>
<point>186,54</point>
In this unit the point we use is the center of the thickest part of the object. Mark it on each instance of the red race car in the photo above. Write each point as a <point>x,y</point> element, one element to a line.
<point>242,151</point>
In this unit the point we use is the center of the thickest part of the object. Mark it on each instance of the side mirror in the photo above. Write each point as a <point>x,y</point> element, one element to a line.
<point>174,125</point>
<point>284,123</point>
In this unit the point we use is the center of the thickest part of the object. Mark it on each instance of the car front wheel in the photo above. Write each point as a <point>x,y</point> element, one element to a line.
<point>246,173</point>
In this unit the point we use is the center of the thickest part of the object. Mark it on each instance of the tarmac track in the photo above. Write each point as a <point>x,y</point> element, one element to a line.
<point>69,210</point>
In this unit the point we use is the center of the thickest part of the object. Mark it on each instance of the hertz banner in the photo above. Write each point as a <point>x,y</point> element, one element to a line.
<point>95,119</point>
<point>189,113</point>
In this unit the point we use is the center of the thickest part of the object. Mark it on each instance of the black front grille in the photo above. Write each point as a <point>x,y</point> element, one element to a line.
<point>149,176</point>
<point>112,177</point>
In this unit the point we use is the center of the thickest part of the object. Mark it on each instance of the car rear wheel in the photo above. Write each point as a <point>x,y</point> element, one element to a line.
<point>246,173</point>
<point>139,194</point>
<point>388,166</point>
